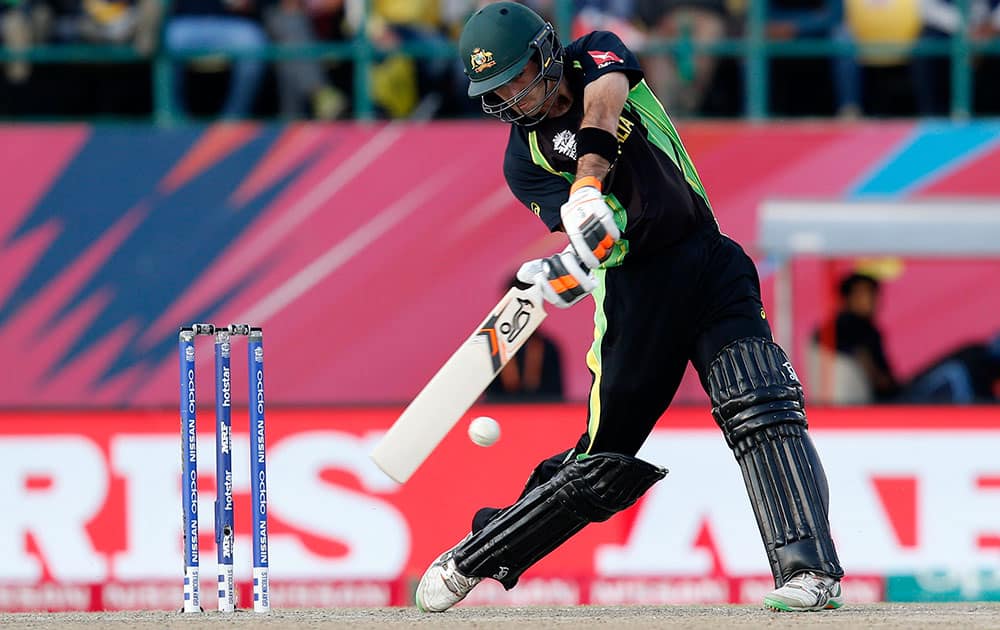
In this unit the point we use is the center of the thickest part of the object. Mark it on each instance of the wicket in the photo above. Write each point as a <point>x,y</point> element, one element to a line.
<point>224,521</point>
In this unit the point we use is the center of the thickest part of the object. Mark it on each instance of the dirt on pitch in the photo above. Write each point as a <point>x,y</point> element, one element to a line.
<point>966,616</point>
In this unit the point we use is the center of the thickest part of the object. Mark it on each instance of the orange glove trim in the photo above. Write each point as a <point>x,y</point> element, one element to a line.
<point>589,180</point>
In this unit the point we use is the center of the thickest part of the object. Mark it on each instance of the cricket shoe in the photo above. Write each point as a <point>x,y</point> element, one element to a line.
<point>806,591</point>
<point>442,586</point>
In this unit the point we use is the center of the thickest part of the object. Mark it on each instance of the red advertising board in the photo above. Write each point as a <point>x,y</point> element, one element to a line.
<point>93,502</point>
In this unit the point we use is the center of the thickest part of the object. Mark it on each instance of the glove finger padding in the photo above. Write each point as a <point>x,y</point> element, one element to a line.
<point>561,277</point>
<point>532,272</point>
<point>590,225</point>
<point>567,279</point>
<point>529,271</point>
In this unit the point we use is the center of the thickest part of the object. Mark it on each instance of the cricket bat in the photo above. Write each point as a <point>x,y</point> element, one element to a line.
<point>459,383</point>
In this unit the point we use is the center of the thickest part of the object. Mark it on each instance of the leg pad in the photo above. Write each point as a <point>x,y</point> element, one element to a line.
<point>757,402</point>
<point>586,490</point>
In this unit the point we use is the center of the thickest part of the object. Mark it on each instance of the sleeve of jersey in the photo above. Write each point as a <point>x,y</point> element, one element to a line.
<point>540,191</point>
<point>602,52</point>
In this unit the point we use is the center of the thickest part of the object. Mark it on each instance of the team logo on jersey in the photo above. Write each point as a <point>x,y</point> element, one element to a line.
<point>481,60</point>
<point>537,209</point>
<point>604,58</point>
<point>565,142</point>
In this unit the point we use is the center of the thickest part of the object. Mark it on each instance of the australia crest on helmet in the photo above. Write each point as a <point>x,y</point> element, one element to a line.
<point>481,60</point>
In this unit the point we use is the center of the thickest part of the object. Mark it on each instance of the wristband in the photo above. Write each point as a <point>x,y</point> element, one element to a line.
<point>589,180</point>
<point>599,141</point>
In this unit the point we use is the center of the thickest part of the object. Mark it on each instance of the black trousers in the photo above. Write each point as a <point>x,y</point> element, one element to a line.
<point>659,313</point>
<point>653,315</point>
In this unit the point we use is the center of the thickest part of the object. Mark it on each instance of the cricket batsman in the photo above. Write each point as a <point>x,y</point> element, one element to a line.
<point>593,154</point>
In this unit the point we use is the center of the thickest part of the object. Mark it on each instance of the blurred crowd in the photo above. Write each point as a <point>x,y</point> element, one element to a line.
<point>865,82</point>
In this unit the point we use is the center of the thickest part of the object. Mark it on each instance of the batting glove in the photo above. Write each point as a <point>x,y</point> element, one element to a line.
<point>564,281</point>
<point>589,222</point>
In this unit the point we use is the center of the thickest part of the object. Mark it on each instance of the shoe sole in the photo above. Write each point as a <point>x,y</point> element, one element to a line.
<point>779,606</point>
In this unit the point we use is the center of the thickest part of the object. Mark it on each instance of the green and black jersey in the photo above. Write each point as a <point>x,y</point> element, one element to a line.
<point>653,188</point>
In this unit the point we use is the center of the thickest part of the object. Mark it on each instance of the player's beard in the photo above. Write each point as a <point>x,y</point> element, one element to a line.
<point>555,105</point>
<point>562,105</point>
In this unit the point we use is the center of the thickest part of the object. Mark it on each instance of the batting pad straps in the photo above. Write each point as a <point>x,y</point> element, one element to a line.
<point>757,402</point>
<point>583,491</point>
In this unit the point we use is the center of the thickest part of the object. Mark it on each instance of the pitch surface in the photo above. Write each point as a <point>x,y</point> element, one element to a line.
<point>966,615</point>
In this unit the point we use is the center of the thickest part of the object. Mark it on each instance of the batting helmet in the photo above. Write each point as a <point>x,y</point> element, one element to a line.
<point>497,44</point>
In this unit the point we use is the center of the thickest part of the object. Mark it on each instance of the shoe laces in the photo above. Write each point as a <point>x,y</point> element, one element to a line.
<point>811,582</point>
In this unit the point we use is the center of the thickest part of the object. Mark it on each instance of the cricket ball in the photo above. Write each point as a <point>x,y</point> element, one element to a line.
<point>484,431</point>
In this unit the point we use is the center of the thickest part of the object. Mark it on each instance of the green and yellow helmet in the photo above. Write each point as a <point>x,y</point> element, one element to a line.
<point>496,45</point>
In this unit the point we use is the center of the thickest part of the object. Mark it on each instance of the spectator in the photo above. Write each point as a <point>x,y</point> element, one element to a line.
<point>987,67</point>
<point>533,375</point>
<point>853,334</point>
<point>103,85</point>
<point>800,86</point>
<point>968,375</point>
<point>454,14</point>
<point>883,79</point>
<point>22,24</point>
<point>942,19</point>
<point>302,83</point>
<point>133,22</point>
<point>400,84</point>
<point>608,15</point>
<point>226,26</point>
<point>682,80</point>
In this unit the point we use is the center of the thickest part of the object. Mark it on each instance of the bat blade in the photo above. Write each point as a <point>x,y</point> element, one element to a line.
<point>457,385</point>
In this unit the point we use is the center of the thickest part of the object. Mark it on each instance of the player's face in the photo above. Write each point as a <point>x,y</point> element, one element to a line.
<point>533,100</point>
<point>863,299</point>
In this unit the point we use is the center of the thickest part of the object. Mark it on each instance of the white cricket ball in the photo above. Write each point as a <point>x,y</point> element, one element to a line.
<point>484,431</point>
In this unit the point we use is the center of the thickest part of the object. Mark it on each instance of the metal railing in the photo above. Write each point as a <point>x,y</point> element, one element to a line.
<point>753,48</point>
